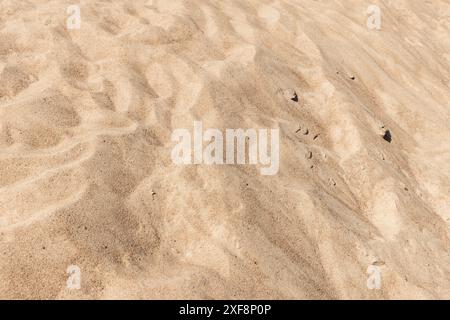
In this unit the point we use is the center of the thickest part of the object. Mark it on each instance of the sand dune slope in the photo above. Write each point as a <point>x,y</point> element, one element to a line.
<point>86,176</point>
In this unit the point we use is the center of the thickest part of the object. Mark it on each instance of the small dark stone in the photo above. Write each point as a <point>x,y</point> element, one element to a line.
<point>295,97</point>
<point>387,136</point>
<point>353,78</point>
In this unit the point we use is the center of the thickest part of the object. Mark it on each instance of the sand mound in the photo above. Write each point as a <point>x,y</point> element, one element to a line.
<point>86,178</point>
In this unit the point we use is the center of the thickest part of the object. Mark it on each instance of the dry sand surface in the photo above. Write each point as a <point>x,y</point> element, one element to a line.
<point>86,176</point>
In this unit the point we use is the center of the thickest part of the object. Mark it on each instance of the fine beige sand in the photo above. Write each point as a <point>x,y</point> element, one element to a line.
<point>86,176</point>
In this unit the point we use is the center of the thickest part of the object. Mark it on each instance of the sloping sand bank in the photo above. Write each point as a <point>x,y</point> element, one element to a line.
<point>86,176</point>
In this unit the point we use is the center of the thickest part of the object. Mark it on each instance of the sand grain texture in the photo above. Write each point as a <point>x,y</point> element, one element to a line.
<point>86,176</point>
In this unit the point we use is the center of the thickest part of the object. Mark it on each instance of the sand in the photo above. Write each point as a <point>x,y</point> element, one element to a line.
<point>86,178</point>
